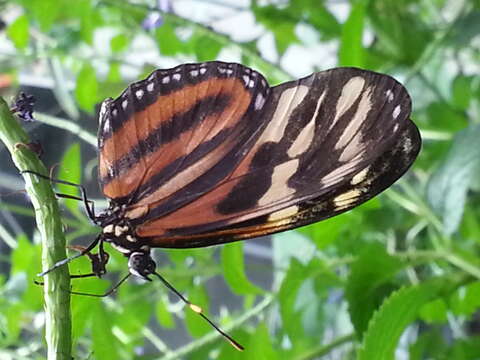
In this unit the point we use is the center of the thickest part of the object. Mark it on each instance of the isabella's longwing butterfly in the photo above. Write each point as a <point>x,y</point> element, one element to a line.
<point>209,153</point>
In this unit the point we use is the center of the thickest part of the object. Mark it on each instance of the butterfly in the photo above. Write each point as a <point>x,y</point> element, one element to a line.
<point>209,153</point>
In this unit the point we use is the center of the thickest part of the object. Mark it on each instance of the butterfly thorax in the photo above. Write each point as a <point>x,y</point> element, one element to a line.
<point>119,232</point>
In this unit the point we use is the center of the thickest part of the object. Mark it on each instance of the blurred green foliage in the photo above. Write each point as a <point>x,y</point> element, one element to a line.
<point>396,277</point>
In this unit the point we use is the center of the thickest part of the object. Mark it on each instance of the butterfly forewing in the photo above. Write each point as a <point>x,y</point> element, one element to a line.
<point>234,159</point>
<point>164,133</point>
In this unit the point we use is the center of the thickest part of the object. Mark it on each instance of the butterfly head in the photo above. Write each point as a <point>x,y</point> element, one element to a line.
<point>141,264</point>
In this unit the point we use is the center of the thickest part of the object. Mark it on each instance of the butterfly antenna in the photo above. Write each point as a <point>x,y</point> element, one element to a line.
<point>199,311</point>
<point>67,260</point>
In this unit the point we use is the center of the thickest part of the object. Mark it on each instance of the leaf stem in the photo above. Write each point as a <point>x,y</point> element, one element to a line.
<point>325,349</point>
<point>57,283</point>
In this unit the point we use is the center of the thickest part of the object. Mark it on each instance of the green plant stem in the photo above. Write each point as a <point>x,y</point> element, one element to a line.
<point>57,283</point>
<point>325,349</point>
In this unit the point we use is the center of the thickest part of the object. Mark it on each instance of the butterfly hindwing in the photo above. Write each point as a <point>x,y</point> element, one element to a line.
<point>364,185</point>
<point>302,150</point>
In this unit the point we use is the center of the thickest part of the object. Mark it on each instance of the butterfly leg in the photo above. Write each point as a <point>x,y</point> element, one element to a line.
<point>81,253</point>
<point>88,203</point>
<point>113,289</point>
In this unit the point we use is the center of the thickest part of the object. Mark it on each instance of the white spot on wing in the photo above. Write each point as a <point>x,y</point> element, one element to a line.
<point>389,95</point>
<point>203,70</point>
<point>288,102</point>
<point>350,93</point>
<point>279,188</point>
<point>139,94</point>
<point>259,101</point>
<point>166,80</point>
<point>124,104</point>
<point>358,178</point>
<point>176,77</point>
<point>194,73</point>
<point>284,213</point>
<point>396,111</point>
<point>246,79</point>
<point>407,145</point>
<point>150,86</point>
<point>351,137</point>
<point>339,173</point>
<point>346,199</point>
<point>103,109</point>
<point>305,137</point>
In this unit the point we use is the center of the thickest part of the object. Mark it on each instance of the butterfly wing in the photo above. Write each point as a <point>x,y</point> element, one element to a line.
<point>166,131</point>
<point>355,190</point>
<point>306,150</point>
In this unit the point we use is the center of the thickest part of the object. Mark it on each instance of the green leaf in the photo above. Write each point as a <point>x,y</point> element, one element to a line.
<point>434,312</point>
<point>448,186</point>
<point>291,316</point>
<point>88,19</point>
<point>234,270</point>
<point>105,345</point>
<point>466,300</point>
<point>164,316</point>
<point>197,326</point>
<point>401,35</point>
<point>26,258</point>
<point>445,117</point>
<point>303,297</point>
<point>280,22</point>
<point>119,43</point>
<point>86,91</point>
<point>45,12</point>
<point>132,319</point>
<point>429,345</point>
<point>114,74</point>
<point>82,306</point>
<point>322,19</point>
<point>13,322</point>
<point>168,41</point>
<point>71,170</point>
<point>465,28</point>
<point>351,51</point>
<point>462,91</point>
<point>260,346</point>
<point>391,319</point>
<point>326,232</point>
<point>206,47</point>
<point>370,281</point>
<point>465,349</point>
<point>18,32</point>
